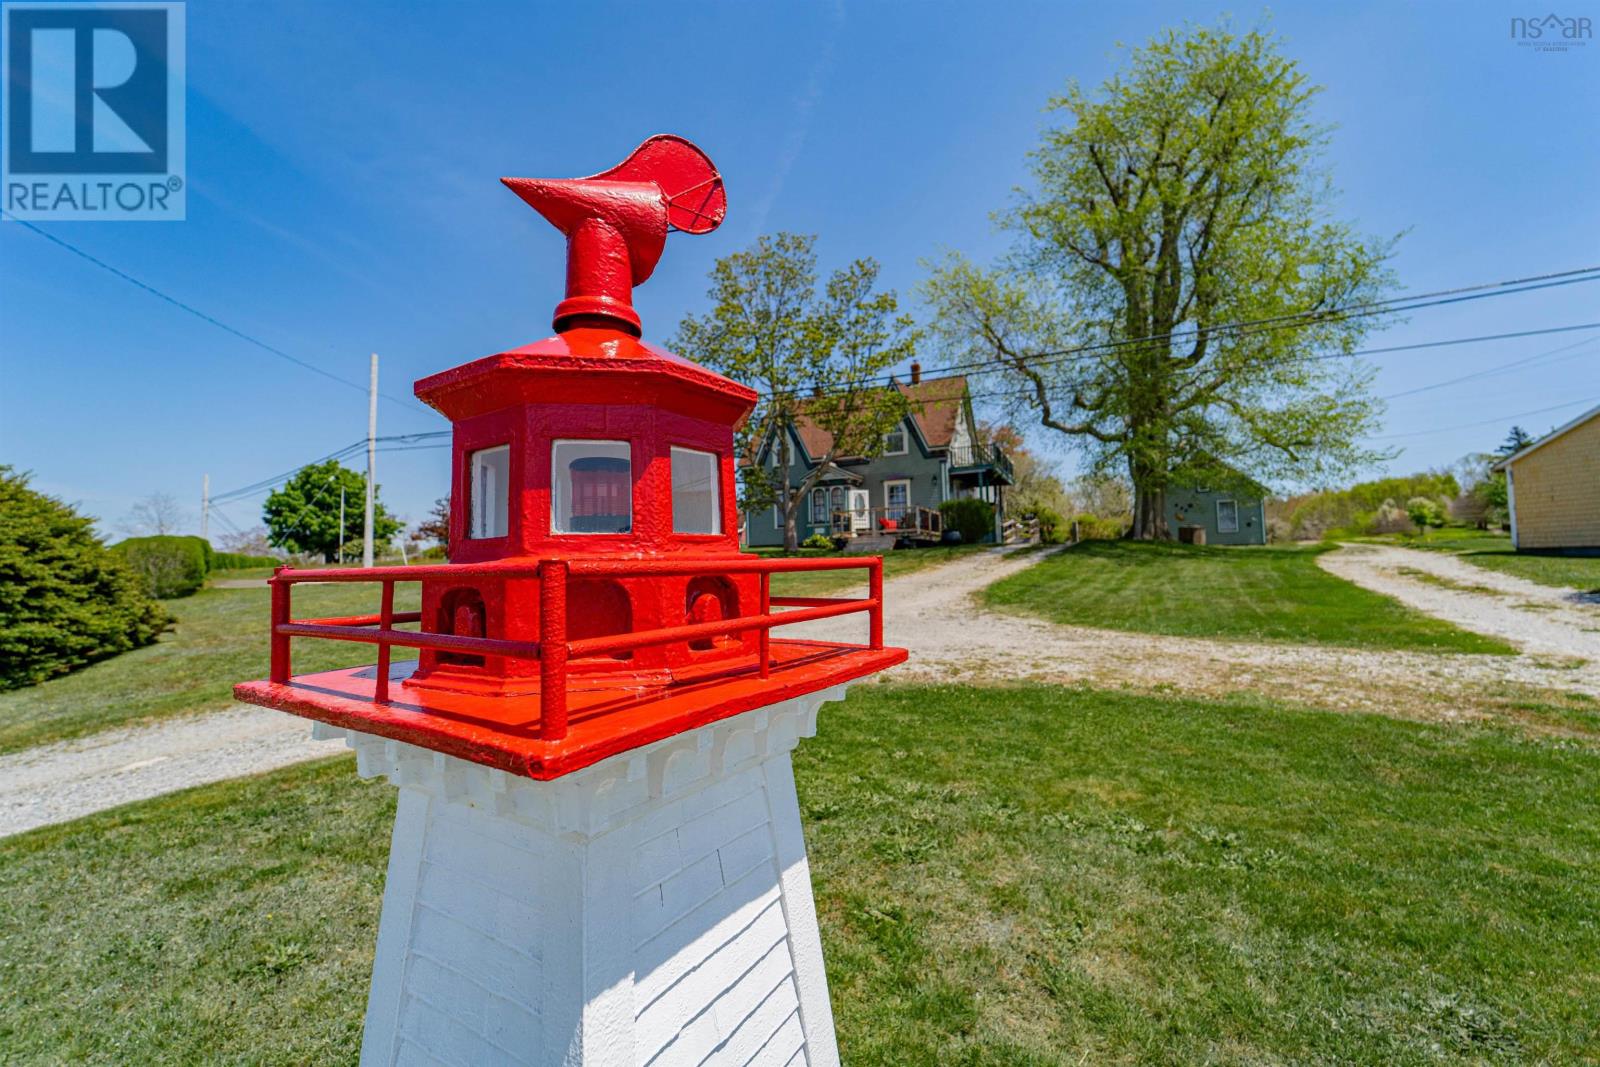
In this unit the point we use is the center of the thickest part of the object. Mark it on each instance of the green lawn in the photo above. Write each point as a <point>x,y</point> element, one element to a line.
<point>1494,552</point>
<point>1004,876</point>
<point>899,562</point>
<point>220,638</point>
<point>1270,594</point>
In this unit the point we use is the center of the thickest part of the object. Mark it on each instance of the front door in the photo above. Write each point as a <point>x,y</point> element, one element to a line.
<point>860,510</point>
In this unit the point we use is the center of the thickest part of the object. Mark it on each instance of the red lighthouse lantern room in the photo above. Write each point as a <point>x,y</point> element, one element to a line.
<point>596,599</point>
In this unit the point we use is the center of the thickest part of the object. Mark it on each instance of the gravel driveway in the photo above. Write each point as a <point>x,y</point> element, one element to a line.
<point>952,638</point>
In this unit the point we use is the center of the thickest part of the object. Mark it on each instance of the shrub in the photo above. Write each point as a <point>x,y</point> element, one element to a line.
<point>1095,528</point>
<point>1389,518</point>
<point>1052,531</point>
<point>1350,510</point>
<point>228,561</point>
<point>970,517</point>
<point>817,540</point>
<point>170,566</point>
<point>65,601</point>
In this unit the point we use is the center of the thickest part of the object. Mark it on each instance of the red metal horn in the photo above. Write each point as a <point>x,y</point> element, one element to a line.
<point>616,223</point>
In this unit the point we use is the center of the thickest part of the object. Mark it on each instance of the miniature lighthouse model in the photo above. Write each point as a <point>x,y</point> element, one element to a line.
<point>597,856</point>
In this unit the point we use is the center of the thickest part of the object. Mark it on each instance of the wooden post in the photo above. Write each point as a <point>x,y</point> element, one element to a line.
<point>380,688</point>
<point>279,670</point>
<point>552,650</point>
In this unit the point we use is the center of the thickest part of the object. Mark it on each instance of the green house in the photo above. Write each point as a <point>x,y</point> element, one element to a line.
<point>1233,515</point>
<point>933,455</point>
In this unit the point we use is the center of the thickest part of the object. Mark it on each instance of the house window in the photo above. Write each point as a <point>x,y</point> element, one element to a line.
<point>1227,516</point>
<point>894,442</point>
<point>896,499</point>
<point>694,492</point>
<point>836,501</point>
<point>592,487</point>
<point>819,506</point>
<point>488,491</point>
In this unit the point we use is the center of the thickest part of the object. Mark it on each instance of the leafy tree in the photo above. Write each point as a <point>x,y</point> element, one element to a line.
<point>810,353</point>
<point>1516,440</point>
<point>65,601</point>
<point>1034,487</point>
<point>303,516</point>
<point>1183,199</point>
<point>1424,513</point>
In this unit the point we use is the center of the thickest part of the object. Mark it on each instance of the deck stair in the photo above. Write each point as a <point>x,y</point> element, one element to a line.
<point>871,544</point>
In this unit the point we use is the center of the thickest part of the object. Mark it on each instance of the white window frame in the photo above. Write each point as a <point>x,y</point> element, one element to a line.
<point>477,491</point>
<point>886,502</point>
<point>1221,529</point>
<point>905,441</point>
<point>555,481</point>
<point>716,489</point>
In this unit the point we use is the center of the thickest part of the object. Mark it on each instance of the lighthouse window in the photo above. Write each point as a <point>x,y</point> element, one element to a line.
<point>591,487</point>
<point>490,482</point>
<point>694,492</point>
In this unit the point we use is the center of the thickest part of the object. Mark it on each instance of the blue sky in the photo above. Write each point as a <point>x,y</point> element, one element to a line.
<point>343,163</point>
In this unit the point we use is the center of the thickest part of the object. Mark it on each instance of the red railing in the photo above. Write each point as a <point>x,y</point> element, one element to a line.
<point>553,648</point>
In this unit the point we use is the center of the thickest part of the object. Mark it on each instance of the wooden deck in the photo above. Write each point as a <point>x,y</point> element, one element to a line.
<point>912,523</point>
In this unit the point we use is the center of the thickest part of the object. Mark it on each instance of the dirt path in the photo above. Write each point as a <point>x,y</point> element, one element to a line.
<point>54,783</point>
<point>1540,619</point>
<point>936,614</point>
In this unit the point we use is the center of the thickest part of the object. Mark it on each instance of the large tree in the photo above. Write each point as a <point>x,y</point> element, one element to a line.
<point>811,353</point>
<point>303,516</point>
<point>1184,198</point>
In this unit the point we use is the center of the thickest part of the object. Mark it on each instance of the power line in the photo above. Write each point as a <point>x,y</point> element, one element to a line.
<point>1021,392</point>
<point>1292,320</point>
<point>197,313</point>
<point>1485,422</point>
<point>1491,371</point>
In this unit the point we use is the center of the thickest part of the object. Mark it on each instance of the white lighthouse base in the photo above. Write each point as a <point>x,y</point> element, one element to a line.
<point>654,908</point>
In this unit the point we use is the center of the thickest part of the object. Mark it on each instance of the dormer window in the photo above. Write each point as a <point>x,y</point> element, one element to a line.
<point>489,488</point>
<point>591,487</point>
<point>694,493</point>
<point>894,442</point>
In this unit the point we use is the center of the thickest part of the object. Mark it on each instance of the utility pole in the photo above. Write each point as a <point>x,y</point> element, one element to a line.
<point>341,525</point>
<point>205,507</point>
<point>372,455</point>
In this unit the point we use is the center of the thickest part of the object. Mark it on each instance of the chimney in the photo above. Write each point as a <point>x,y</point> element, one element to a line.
<point>916,373</point>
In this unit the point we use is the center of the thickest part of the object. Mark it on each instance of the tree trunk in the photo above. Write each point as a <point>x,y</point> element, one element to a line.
<point>1149,505</point>
<point>791,536</point>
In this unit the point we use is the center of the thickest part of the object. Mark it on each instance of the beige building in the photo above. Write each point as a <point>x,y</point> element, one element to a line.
<point>1553,488</point>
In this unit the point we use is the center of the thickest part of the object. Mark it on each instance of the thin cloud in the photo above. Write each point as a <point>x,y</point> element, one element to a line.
<point>795,141</point>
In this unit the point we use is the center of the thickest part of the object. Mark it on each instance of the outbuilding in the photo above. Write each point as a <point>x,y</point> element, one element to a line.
<point>1553,489</point>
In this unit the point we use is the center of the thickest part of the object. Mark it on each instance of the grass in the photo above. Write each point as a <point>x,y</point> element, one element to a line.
<point>1262,594</point>
<point>895,564</point>
<point>1493,552</point>
<point>1018,876</point>
<point>220,638</point>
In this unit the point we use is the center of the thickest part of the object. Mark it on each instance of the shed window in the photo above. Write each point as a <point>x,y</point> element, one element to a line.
<point>1227,516</point>
<point>489,484</point>
<point>694,492</point>
<point>592,487</point>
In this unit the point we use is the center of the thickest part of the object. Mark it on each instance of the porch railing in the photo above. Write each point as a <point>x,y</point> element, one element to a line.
<point>908,518</point>
<point>554,648</point>
<point>969,456</point>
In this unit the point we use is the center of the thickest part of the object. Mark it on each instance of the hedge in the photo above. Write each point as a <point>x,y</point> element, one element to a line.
<point>65,600</point>
<point>229,561</point>
<point>170,566</point>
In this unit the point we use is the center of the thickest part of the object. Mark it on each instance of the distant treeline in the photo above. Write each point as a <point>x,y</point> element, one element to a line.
<point>1356,510</point>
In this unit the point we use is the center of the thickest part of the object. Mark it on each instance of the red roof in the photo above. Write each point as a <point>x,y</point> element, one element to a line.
<point>935,407</point>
